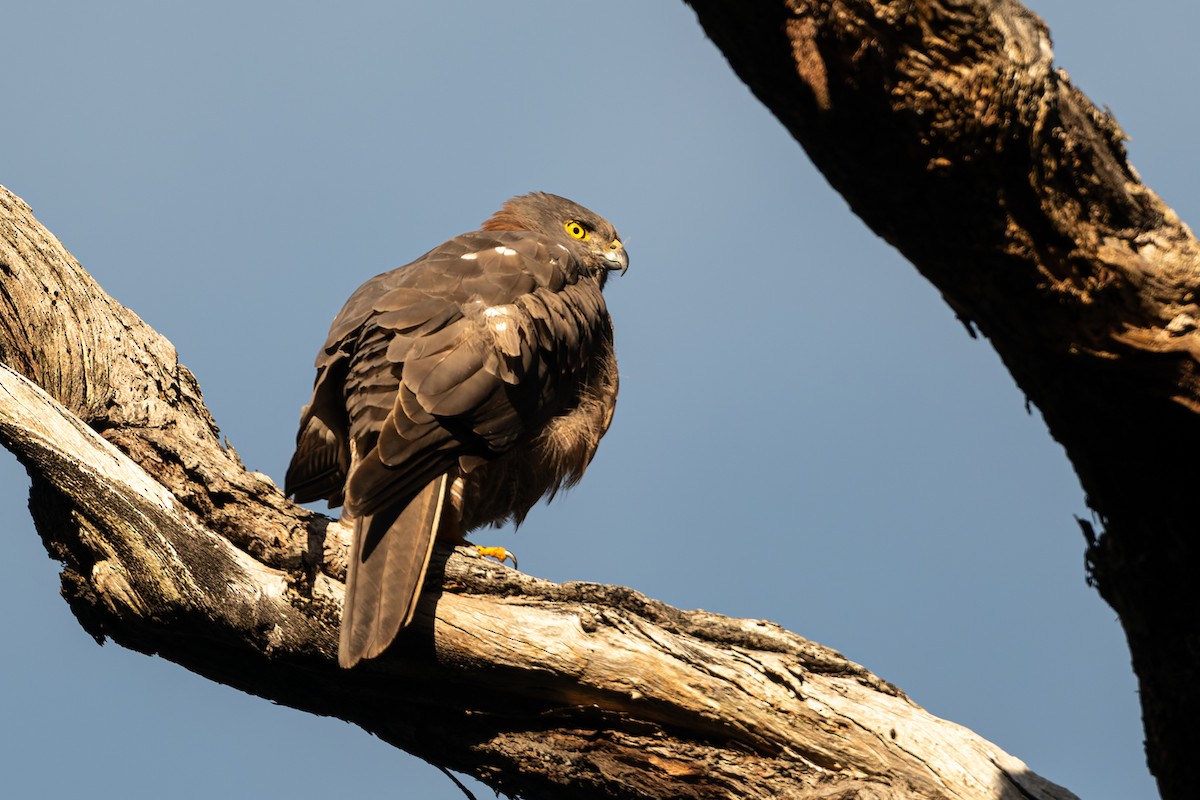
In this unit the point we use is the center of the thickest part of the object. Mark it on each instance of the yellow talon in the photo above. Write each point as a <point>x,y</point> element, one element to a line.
<point>498,553</point>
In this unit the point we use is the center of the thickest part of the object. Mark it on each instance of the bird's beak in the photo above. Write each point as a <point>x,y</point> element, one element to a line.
<point>617,259</point>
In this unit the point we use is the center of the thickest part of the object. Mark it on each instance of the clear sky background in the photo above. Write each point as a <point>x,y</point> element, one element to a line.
<point>805,432</point>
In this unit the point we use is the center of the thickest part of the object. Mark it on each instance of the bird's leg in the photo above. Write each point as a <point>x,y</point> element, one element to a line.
<point>452,525</point>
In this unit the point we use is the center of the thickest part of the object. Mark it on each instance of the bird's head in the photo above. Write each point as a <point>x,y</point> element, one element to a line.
<point>589,236</point>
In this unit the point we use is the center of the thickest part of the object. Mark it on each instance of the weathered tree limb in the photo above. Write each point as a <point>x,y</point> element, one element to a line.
<point>947,129</point>
<point>170,546</point>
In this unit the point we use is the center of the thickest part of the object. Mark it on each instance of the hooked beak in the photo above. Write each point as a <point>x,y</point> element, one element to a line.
<point>617,259</point>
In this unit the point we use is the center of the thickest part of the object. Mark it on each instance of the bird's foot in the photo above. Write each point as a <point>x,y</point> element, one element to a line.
<point>498,553</point>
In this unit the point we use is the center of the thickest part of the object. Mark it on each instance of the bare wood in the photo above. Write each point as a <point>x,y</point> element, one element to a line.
<point>948,130</point>
<point>171,546</point>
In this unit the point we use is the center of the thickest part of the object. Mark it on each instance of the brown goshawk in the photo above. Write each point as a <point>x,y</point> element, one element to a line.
<point>455,392</point>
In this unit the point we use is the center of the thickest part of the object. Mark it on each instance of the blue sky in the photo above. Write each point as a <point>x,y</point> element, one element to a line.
<point>805,433</point>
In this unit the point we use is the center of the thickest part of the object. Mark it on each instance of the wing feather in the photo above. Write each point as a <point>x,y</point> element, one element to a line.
<point>463,354</point>
<point>432,370</point>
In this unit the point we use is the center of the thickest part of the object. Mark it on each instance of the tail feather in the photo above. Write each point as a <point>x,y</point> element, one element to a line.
<point>386,571</point>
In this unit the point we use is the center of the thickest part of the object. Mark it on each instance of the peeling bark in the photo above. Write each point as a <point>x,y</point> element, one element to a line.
<point>540,690</point>
<point>949,131</point>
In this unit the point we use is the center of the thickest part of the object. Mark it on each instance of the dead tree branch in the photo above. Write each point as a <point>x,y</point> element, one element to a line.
<point>948,130</point>
<point>170,546</point>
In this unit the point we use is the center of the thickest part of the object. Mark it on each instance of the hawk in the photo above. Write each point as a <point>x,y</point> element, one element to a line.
<point>455,392</point>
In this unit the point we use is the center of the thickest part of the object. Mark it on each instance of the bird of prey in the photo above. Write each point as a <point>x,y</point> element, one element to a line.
<point>455,392</point>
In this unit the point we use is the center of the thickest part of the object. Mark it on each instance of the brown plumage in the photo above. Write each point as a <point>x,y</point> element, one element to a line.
<point>455,392</point>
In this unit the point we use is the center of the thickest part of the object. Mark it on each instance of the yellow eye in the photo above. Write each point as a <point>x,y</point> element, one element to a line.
<point>576,230</point>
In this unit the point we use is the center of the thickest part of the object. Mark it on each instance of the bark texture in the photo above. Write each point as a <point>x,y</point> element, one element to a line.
<point>170,546</point>
<point>947,128</point>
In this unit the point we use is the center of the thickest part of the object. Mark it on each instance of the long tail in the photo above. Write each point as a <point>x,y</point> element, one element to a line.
<point>387,569</point>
